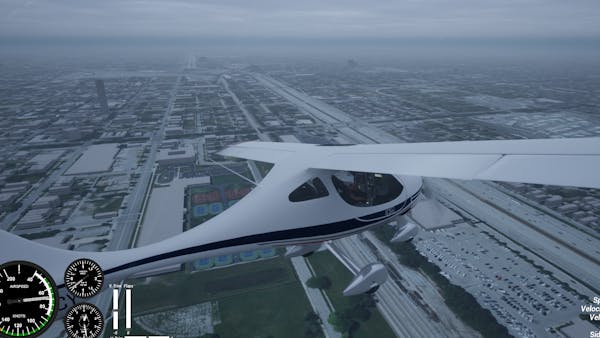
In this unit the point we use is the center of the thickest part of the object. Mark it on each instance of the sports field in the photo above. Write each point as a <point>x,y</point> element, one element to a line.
<point>209,200</point>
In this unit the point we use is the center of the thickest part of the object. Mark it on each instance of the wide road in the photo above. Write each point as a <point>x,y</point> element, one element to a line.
<point>249,117</point>
<point>315,296</point>
<point>127,222</point>
<point>516,221</point>
<point>352,128</point>
<point>407,318</point>
<point>422,285</point>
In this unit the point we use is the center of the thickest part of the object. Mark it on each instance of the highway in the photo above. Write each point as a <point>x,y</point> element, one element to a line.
<point>315,296</point>
<point>583,244</point>
<point>249,117</point>
<point>511,219</point>
<point>405,316</point>
<point>421,285</point>
<point>356,130</point>
<point>127,222</point>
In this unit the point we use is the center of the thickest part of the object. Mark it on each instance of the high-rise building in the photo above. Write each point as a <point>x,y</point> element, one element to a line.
<point>102,96</point>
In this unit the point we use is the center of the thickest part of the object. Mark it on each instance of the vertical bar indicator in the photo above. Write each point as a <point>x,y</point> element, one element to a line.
<point>128,308</point>
<point>115,299</point>
<point>115,317</point>
<point>115,320</point>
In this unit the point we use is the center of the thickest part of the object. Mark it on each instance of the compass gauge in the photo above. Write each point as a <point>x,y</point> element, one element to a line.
<point>27,299</point>
<point>84,278</point>
<point>84,321</point>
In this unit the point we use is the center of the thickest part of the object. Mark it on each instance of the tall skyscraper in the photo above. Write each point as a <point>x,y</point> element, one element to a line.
<point>102,96</point>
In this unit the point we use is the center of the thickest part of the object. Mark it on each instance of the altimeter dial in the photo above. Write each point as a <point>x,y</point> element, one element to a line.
<point>84,278</point>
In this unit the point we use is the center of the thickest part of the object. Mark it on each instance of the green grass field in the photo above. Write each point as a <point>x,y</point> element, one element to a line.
<point>325,264</point>
<point>276,311</point>
<point>251,298</point>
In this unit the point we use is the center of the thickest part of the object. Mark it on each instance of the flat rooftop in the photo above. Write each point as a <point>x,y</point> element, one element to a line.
<point>164,213</point>
<point>183,152</point>
<point>41,161</point>
<point>97,158</point>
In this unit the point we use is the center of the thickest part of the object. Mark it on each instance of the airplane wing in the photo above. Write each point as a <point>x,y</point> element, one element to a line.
<point>271,152</point>
<point>568,162</point>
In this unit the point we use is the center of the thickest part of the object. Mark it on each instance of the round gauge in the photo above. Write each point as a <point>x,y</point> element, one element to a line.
<point>84,278</point>
<point>27,299</point>
<point>84,321</point>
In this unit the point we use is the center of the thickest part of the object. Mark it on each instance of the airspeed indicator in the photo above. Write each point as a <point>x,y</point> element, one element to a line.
<point>27,299</point>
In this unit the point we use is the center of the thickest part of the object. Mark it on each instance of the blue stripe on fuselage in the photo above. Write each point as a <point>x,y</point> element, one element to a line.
<point>298,233</point>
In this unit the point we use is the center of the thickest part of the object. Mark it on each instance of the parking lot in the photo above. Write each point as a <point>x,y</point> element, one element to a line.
<point>529,300</point>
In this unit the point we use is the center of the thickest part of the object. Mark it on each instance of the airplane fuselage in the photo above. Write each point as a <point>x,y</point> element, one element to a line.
<point>266,217</point>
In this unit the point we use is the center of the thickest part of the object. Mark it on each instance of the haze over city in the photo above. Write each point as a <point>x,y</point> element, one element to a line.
<point>114,114</point>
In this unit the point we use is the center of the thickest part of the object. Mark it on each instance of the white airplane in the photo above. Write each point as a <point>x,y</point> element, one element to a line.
<point>317,193</point>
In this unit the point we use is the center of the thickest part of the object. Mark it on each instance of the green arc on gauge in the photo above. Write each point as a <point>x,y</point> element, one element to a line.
<point>44,319</point>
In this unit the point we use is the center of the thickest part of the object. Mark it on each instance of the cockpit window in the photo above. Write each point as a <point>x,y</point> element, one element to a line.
<point>263,167</point>
<point>366,189</point>
<point>309,190</point>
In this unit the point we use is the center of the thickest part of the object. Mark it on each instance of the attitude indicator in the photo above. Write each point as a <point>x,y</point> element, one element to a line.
<point>84,278</point>
<point>27,299</point>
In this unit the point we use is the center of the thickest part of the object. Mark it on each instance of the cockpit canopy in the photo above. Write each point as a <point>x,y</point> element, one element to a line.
<point>366,189</point>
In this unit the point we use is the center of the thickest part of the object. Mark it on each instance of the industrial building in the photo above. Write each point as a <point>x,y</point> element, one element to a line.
<point>181,155</point>
<point>44,202</point>
<point>42,163</point>
<point>97,158</point>
<point>34,218</point>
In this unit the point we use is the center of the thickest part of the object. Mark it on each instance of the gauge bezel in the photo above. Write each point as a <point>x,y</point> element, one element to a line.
<point>54,292</point>
<point>74,292</point>
<point>70,314</point>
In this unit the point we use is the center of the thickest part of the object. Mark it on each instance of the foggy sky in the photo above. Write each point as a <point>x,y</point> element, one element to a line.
<point>301,18</point>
